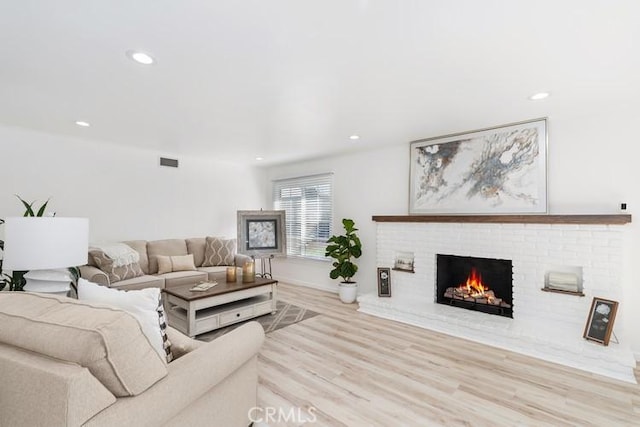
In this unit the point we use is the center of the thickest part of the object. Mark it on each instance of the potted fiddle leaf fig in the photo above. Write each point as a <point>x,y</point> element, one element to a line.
<point>344,248</point>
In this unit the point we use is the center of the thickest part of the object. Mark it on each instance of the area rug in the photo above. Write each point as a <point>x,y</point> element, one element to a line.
<point>286,315</point>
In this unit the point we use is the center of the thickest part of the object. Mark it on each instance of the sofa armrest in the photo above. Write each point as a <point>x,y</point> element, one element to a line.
<point>38,390</point>
<point>95,275</point>
<point>180,343</point>
<point>190,377</point>
<point>240,259</point>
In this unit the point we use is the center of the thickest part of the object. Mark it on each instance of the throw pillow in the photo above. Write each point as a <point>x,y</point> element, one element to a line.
<point>142,304</point>
<point>115,273</point>
<point>219,251</point>
<point>166,344</point>
<point>168,264</point>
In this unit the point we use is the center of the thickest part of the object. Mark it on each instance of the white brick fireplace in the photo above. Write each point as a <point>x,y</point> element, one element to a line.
<point>544,325</point>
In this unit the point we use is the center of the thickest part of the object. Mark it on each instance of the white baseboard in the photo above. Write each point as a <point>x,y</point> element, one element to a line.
<point>328,288</point>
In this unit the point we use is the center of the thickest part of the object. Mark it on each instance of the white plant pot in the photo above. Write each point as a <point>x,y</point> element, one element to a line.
<point>347,292</point>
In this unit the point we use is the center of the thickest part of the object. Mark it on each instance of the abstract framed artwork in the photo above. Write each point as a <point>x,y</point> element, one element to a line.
<point>498,170</point>
<point>261,233</point>
<point>600,321</point>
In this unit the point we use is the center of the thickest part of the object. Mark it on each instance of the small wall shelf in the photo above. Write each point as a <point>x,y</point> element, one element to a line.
<point>558,291</point>
<point>403,270</point>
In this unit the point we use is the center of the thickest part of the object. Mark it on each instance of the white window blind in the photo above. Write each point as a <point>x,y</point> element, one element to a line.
<point>307,201</point>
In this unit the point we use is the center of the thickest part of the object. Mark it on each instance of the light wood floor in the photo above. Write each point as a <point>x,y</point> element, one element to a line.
<point>359,370</point>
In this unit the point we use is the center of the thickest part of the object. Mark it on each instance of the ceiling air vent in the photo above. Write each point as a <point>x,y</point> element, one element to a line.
<point>172,163</point>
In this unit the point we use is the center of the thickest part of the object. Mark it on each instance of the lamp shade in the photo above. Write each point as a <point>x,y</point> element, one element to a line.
<point>38,243</point>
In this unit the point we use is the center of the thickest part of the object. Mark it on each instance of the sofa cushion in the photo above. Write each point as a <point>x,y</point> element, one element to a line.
<point>115,273</point>
<point>183,278</point>
<point>214,273</point>
<point>142,304</point>
<point>170,247</point>
<point>146,281</point>
<point>219,251</point>
<point>195,246</point>
<point>167,264</point>
<point>214,385</point>
<point>107,341</point>
<point>140,246</point>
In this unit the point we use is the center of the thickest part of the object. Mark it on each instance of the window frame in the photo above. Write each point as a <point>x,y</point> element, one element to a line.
<point>309,218</point>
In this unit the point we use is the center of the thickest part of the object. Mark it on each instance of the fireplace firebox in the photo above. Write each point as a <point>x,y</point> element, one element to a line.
<point>481,284</point>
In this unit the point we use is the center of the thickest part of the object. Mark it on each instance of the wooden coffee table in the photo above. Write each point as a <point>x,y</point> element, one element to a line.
<point>197,312</point>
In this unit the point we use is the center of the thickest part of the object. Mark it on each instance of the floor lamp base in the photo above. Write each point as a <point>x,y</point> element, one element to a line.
<point>49,281</point>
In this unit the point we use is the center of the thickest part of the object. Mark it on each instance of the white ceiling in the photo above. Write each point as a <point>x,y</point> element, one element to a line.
<point>293,79</point>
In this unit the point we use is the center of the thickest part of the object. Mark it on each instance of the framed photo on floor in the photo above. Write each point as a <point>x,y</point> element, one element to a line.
<point>384,282</point>
<point>600,322</point>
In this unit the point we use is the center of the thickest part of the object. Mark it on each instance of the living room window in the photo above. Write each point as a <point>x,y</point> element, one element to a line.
<point>308,202</point>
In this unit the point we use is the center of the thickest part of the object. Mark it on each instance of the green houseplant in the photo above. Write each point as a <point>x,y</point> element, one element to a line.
<point>344,248</point>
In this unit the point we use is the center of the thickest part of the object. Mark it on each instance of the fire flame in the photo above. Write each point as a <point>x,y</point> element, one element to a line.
<point>474,290</point>
<point>474,283</point>
<point>474,286</point>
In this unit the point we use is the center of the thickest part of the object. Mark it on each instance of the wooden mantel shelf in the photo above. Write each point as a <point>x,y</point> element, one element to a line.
<point>510,219</point>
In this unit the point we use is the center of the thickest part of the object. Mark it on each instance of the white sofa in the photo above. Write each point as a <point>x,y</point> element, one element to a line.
<point>64,362</point>
<point>148,251</point>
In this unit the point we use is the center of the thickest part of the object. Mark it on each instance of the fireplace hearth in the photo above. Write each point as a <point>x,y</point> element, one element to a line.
<point>545,325</point>
<point>480,284</point>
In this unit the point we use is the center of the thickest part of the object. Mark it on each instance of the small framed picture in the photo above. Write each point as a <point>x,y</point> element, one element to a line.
<point>404,261</point>
<point>262,233</point>
<point>600,322</point>
<point>384,282</point>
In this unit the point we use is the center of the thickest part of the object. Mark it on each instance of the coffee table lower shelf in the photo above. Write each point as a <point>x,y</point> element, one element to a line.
<point>197,317</point>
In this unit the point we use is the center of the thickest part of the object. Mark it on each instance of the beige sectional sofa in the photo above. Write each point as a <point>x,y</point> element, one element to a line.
<point>149,251</point>
<point>65,362</point>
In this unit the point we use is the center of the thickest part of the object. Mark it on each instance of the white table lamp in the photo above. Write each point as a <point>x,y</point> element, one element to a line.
<point>47,247</point>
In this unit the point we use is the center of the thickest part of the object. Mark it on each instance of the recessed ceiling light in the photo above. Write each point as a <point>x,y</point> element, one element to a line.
<point>259,158</point>
<point>539,96</point>
<point>83,124</point>
<point>140,57</point>
<point>354,137</point>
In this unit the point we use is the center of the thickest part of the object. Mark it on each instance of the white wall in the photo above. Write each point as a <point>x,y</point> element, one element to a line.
<point>591,169</point>
<point>364,184</point>
<point>126,195</point>
<point>123,191</point>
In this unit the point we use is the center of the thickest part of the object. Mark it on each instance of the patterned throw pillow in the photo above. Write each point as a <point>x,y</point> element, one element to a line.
<point>219,251</point>
<point>115,274</point>
<point>166,344</point>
